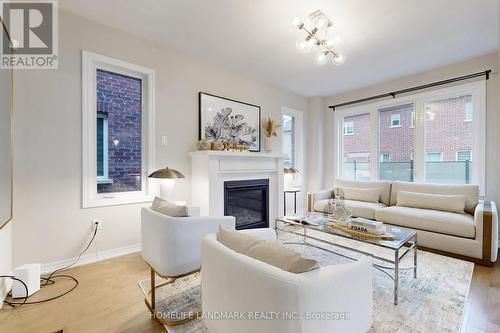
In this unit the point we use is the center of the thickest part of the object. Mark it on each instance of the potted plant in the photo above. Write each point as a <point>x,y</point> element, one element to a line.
<point>270,127</point>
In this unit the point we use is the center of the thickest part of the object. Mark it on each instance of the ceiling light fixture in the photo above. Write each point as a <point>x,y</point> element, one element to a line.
<point>317,38</point>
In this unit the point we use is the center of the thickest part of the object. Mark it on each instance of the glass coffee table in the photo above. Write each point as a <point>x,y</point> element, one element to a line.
<point>404,242</point>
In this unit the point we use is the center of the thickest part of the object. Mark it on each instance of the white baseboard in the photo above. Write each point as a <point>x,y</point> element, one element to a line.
<point>90,258</point>
<point>5,287</point>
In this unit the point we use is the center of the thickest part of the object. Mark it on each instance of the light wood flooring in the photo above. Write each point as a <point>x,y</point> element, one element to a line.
<point>109,300</point>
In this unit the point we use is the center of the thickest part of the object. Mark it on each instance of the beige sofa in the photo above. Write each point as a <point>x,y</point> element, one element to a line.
<point>472,235</point>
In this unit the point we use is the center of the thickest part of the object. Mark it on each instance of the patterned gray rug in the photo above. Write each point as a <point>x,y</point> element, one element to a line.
<point>434,302</point>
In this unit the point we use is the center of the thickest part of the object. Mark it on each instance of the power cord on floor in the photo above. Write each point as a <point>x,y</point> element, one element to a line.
<point>50,279</point>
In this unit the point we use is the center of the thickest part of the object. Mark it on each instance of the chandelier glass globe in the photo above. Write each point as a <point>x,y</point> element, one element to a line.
<point>322,57</point>
<point>338,59</point>
<point>304,45</point>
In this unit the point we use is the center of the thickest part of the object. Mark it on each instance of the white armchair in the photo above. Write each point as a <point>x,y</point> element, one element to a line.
<point>235,283</point>
<point>171,247</point>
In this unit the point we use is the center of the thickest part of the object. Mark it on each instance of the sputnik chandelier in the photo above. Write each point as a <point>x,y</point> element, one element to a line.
<point>314,37</point>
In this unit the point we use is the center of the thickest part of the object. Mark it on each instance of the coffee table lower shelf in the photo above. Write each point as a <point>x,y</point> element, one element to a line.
<point>391,270</point>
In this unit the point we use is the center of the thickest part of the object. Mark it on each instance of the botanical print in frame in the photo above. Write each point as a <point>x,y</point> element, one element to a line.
<point>225,119</point>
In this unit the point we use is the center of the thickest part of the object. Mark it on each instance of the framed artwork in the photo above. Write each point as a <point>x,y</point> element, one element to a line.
<point>225,119</point>
<point>6,179</point>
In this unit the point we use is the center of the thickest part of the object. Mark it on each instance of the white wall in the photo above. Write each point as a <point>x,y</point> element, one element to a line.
<point>316,145</point>
<point>482,63</point>
<point>5,260</point>
<point>50,225</point>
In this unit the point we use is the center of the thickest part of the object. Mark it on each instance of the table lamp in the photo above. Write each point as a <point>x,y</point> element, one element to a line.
<point>167,178</point>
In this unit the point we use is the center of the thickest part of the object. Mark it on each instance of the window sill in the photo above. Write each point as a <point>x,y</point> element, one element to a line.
<point>394,126</point>
<point>116,199</point>
<point>348,134</point>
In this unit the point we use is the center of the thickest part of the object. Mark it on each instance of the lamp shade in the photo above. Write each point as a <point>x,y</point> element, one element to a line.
<point>166,173</point>
<point>290,170</point>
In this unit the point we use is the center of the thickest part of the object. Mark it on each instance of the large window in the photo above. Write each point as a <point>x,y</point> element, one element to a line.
<point>356,148</point>
<point>396,141</point>
<point>117,140</point>
<point>448,133</point>
<point>435,137</point>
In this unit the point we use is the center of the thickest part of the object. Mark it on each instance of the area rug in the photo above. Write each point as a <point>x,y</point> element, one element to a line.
<point>434,302</point>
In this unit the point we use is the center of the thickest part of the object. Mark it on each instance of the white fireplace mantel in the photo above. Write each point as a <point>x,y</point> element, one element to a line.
<point>210,169</point>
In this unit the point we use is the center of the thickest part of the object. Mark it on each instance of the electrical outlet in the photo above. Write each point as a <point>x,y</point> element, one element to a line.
<point>97,224</point>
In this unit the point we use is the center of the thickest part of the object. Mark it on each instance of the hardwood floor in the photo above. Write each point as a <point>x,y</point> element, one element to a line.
<point>109,300</point>
<point>482,312</point>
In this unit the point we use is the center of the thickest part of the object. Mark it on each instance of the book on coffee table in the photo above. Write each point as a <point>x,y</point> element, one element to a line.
<point>307,219</point>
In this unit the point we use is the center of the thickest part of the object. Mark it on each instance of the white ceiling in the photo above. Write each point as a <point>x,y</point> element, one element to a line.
<point>384,39</point>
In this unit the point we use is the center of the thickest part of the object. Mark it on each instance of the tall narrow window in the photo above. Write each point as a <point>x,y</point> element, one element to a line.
<point>118,111</point>
<point>292,145</point>
<point>119,103</point>
<point>356,148</point>
<point>289,141</point>
<point>446,132</point>
<point>396,141</point>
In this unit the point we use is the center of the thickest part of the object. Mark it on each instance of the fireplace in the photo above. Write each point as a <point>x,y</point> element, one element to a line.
<point>248,202</point>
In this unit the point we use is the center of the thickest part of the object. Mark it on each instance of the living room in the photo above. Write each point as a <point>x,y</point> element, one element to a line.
<point>269,166</point>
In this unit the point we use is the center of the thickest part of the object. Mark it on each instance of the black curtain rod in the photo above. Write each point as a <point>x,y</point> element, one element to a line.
<point>407,90</point>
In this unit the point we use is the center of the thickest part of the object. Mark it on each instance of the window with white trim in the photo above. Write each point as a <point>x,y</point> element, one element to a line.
<point>469,111</point>
<point>117,130</point>
<point>348,128</point>
<point>292,144</point>
<point>464,155</point>
<point>433,157</point>
<point>385,158</point>
<point>431,144</point>
<point>395,120</point>
<point>289,141</point>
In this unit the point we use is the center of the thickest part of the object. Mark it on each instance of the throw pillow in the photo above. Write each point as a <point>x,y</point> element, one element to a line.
<point>361,194</point>
<point>443,202</point>
<point>235,240</point>
<point>168,208</point>
<point>270,252</point>
<point>278,255</point>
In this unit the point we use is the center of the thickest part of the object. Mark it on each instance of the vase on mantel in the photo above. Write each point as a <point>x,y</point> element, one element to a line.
<point>270,127</point>
<point>268,144</point>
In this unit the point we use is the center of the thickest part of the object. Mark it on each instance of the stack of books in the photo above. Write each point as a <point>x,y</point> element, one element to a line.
<point>364,225</point>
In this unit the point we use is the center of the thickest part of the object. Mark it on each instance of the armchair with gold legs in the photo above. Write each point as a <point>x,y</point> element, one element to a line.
<point>171,246</point>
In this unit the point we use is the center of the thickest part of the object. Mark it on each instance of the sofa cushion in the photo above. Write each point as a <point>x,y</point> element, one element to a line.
<point>358,208</point>
<point>471,192</point>
<point>383,185</point>
<point>270,252</point>
<point>361,194</point>
<point>168,208</point>
<point>443,202</point>
<point>461,225</point>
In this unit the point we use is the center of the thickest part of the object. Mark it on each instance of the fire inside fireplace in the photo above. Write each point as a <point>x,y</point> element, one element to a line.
<point>248,202</point>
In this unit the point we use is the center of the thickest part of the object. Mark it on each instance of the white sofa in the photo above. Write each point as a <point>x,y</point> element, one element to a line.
<point>472,236</point>
<point>233,283</point>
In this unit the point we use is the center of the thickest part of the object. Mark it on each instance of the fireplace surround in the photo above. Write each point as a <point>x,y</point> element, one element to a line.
<point>210,170</point>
